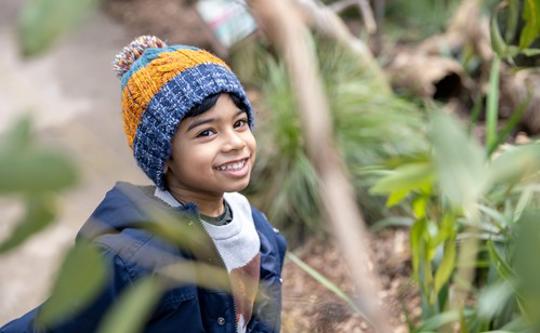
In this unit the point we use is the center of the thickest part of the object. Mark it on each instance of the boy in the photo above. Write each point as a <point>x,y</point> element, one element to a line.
<point>188,121</point>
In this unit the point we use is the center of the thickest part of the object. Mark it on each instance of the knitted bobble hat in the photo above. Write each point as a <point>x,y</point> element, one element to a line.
<point>160,85</point>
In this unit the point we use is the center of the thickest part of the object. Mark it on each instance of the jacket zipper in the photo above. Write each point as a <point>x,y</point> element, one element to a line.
<point>197,219</point>
<point>222,261</point>
<point>235,324</point>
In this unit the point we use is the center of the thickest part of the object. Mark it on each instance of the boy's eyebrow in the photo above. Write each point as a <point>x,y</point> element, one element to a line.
<point>209,120</point>
<point>200,122</point>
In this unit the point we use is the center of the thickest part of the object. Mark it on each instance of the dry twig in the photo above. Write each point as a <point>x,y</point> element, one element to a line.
<point>286,30</point>
<point>324,20</point>
<point>363,7</point>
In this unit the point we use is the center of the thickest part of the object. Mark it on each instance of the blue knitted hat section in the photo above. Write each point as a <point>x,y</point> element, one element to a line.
<point>152,143</point>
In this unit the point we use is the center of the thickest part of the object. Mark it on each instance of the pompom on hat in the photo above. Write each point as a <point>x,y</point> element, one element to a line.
<point>160,85</point>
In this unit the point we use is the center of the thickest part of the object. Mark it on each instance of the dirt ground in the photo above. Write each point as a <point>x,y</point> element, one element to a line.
<point>309,307</point>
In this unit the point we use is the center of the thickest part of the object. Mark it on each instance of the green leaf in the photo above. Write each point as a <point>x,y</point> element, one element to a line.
<point>80,278</point>
<point>39,214</point>
<point>510,125</point>
<point>403,180</point>
<point>26,168</point>
<point>417,234</point>
<point>496,217</point>
<point>446,231</point>
<point>493,298</point>
<point>493,104</point>
<point>503,268</point>
<point>447,265</point>
<point>515,164</point>
<point>497,42</point>
<point>522,203</point>
<point>512,19</point>
<point>531,16</point>
<point>392,221</point>
<point>17,138</point>
<point>43,21</point>
<point>518,324</point>
<point>34,171</point>
<point>530,52</point>
<point>132,309</point>
<point>459,161</point>
<point>442,319</point>
<point>396,197</point>
<point>419,206</point>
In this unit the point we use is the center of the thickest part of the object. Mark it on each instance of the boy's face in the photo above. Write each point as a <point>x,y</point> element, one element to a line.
<point>213,152</point>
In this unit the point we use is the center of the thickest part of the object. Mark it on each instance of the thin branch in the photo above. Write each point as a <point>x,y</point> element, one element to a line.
<point>340,6</point>
<point>363,8</point>
<point>286,30</point>
<point>328,23</point>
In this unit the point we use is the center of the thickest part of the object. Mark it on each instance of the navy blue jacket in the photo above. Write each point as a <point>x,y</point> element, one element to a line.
<point>119,226</point>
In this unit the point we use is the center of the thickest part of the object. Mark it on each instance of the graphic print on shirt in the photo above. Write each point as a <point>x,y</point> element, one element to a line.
<point>244,284</point>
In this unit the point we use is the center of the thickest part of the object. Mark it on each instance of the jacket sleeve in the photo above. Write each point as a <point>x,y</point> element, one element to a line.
<point>88,319</point>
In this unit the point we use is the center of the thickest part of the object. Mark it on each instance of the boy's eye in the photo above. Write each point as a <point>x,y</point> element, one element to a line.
<point>204,133</point>
<point>241,123</point>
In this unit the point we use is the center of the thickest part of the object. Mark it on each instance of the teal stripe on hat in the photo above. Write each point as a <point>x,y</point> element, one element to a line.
<point>149,55</point>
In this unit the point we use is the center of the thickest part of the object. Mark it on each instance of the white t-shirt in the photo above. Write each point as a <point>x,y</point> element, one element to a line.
<point>238,244</point>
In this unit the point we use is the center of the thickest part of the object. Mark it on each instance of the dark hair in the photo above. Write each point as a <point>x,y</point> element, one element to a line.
<point>210,101</point>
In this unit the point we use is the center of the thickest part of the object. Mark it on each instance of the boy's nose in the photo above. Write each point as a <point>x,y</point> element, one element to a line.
<point>234,141</point>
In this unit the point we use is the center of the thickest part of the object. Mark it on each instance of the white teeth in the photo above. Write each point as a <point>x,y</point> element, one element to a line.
<point>232,166</point>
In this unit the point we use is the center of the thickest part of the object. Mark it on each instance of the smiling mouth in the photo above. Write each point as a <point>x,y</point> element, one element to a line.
<point>233,166</point>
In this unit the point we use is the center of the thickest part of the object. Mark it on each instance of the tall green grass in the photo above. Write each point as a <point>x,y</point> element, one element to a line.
<point>370,126</point>
<point>458,193</point>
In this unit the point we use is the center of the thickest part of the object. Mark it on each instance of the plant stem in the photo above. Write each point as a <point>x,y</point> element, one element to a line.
<point>468,252</point>
<point>493,103</point>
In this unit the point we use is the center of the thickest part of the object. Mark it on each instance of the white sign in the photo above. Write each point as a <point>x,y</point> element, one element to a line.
<point>229,19</point>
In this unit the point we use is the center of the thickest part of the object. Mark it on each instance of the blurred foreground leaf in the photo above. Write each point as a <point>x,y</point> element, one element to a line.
<point>29,169</point>
<point>79,280</point>
<point>39,214</point>
<point>434,323</point>
<point>132,309</point>
<point>43,21</point>
<point>392,221</point>
<point>493,298</point>
<point>35,174</point>
<point>459,159</point>
<point>527,245</point>
<point>35,171</point>
<point>17,137</point>
<point>403,180</point>
<point>515,164</point>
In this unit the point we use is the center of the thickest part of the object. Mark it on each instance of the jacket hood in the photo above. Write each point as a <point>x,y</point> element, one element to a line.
<point>122,221</point>
<point>127,206</point>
